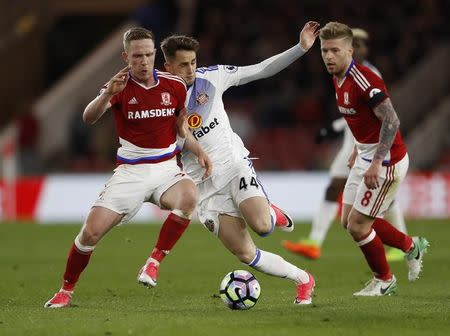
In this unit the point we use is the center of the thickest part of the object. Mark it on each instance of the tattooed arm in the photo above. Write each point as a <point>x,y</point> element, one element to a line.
<point>390,124</point>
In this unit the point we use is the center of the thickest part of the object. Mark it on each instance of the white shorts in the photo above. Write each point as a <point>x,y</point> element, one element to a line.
<point>374,203</point>
<point>222,194</point>
<point>132,185</point>
<point>339,168</point>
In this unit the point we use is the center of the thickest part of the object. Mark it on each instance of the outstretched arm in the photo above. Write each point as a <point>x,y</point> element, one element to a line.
<point>389,127</point>
<point>275,64</point>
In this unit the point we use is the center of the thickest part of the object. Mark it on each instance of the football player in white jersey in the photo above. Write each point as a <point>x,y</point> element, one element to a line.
<point>311,247</point>
<point>233,196</point>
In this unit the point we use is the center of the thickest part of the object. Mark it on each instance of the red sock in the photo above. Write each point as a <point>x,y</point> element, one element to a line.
<point>391,236</point>
<point>373,249</point>
<point>171,230</point>
<point>76,263</point>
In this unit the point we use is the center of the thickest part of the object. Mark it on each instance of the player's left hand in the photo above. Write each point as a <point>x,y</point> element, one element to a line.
<point>205,162</point>
<point>371,176</point>
<point>308,34</point>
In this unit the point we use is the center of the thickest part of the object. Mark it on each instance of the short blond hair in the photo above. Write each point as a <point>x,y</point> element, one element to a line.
<point>136,33</point>
<point>336,30</point>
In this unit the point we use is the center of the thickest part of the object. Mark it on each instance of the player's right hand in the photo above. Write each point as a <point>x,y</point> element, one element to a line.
<point>117,83</point>
<point>205,162</point>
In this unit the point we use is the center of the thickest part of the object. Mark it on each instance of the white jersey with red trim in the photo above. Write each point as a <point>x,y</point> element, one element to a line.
<point>145,119</point>
<point>357,94</point>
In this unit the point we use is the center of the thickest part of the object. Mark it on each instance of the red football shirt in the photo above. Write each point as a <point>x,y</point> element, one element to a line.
<point>357,94</point>
<point>145,118</point>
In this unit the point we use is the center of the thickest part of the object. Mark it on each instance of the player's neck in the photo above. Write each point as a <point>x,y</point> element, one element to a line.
<point>147,82</point>
<point>341,75</point>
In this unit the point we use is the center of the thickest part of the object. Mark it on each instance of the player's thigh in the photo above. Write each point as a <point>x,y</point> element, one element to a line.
<point>125,192</point>
<point>249,195</point>
<point>235,237</point>
<point>210,208</point>
<point>374,203</point>
<point>346,209</point>
<point>181,195</point>
<point>98,222</point>
<point>351,186</point>
<point>174,188</point>
<point>255,211</point>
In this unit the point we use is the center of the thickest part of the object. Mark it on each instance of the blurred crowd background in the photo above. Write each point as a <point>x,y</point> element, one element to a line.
<point>43,42</point>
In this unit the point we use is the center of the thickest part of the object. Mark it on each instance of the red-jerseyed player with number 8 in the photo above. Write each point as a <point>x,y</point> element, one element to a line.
<point>379,161</point>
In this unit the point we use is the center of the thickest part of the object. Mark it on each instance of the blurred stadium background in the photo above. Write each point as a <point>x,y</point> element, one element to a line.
<point>56,54</point>
<point>54,57</point>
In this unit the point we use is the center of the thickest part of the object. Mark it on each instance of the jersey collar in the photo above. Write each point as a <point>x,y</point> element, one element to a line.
<point>155,76</point>
<point>350,67</point>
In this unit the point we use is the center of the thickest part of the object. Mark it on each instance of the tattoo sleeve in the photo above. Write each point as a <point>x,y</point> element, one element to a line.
<point>390,124</point>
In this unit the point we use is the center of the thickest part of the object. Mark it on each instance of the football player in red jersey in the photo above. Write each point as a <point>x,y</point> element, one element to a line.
<point>146,104</point>
<point>311,246</point>
<point>379,161</point>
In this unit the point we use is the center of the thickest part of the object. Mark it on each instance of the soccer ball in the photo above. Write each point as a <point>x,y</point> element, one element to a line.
<point>240,290</point>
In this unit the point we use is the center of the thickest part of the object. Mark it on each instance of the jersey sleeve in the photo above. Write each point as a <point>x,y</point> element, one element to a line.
<point>371,87</point>
<point>180,93</point>
<point>229,75</point>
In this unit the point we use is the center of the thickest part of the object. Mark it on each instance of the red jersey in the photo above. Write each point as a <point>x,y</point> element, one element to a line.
<point>145,119</point>
<point>357,94</point>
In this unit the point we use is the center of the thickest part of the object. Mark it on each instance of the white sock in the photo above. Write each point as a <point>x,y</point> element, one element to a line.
<point>322,221</point>
<point>394,215</point>
<point>273,264</point>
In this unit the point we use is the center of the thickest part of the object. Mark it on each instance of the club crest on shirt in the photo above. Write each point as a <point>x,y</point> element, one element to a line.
<point>202,98</point>
<point>165,99</point>
<point>346,100</point>
<point>194,120</point>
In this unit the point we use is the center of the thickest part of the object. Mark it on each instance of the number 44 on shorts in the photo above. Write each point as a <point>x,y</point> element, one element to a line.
<point>243,183</point>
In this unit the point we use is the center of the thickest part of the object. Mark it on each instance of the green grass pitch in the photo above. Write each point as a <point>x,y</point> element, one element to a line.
<point>109,301</point>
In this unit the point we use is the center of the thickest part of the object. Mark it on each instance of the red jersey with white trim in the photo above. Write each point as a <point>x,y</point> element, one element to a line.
<point>145,119</point>
<point>357,94</point>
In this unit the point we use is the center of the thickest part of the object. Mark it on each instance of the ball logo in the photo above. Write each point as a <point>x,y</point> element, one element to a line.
<point>194,120</point>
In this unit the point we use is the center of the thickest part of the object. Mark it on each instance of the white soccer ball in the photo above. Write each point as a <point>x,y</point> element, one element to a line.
<point>240,290</point>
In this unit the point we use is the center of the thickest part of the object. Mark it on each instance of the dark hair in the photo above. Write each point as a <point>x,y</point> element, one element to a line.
<point>173,43</point>
<point>136,33</point>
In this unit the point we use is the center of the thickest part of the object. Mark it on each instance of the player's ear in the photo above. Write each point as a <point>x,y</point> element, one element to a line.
<point>125,57</point>
<point>167,66</point>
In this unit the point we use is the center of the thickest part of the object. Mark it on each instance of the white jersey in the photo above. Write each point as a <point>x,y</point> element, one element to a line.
<point>207,118</point>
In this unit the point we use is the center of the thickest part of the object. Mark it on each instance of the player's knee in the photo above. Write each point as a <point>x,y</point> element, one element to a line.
<point>90,236</point>
<point>188,200</point>
<point>262,226</point>
<point>355,226</point>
